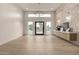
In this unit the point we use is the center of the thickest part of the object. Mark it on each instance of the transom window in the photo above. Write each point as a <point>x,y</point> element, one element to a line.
<point>39,15</point>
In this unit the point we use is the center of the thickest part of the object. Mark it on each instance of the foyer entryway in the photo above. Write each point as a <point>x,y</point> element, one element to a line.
<point>40,28</point>
<point>39,23</point>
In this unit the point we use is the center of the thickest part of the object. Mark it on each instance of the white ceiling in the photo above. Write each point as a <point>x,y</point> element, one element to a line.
<point>39,6</point>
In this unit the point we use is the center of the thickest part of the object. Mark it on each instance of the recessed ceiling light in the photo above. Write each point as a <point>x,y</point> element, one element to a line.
<point>51,8</point>
<point>58,21</point>
<point>27,8</point>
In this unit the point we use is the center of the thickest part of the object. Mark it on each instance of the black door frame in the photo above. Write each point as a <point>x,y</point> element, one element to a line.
<point>35,27</point>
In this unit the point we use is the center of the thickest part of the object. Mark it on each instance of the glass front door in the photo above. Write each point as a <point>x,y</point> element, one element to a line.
<point>39,28</point>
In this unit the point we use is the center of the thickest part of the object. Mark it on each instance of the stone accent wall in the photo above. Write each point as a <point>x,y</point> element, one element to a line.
<point>69,10</point>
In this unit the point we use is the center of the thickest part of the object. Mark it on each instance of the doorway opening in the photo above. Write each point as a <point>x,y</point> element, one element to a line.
<point>39,28</point>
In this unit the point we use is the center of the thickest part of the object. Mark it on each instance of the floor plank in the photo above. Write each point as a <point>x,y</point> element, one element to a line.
<point>38,45</point>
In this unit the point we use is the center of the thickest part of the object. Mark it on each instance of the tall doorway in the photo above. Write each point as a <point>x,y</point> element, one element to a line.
<point>39,28</point>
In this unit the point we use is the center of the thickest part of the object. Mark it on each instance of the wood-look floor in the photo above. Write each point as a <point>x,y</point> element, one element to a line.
<point>38,45</point>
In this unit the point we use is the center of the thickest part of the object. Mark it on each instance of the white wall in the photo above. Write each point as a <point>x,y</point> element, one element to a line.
<point>10,23</point>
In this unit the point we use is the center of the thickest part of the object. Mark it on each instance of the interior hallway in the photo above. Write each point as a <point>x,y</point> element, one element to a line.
<point>18,19</point>
<point>35,45</point>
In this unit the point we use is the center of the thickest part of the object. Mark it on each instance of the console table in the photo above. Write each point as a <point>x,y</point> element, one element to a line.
<point>70,36</point>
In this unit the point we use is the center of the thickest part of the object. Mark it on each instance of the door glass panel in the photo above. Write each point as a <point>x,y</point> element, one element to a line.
<point>48,27</point>
<point>39,28</point>
<point>30,27</point>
